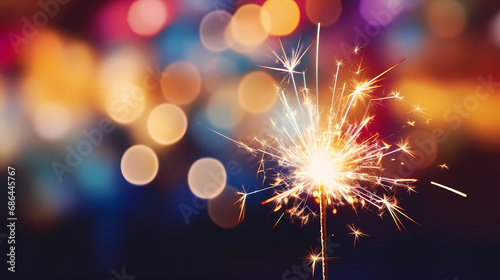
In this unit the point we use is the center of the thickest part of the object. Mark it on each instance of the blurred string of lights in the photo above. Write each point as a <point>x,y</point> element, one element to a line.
<point>66,81</point>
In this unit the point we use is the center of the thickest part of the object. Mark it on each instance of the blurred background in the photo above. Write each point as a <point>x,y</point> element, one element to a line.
<point>107,110</point>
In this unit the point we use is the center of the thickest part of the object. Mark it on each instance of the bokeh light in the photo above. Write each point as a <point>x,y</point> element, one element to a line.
<point>213,30</point>
<point>52,121</point>
<point>147,17</point>
<point>446,18</point>
<point>167,124</point>
<point>125,102</point>
<point>325,12</point>
<point>207,178</point>
<point>495,29</point>
<point>181,82</point>
<point>139,165</point>
<point>224,210</point>
<point>284,16</point>
<point>257,92</point>
<point>120,75</point>
<point>250,25</point>
<point>59,70</point>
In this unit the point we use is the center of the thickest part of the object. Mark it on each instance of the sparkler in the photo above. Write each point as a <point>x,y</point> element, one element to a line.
<point>325,156</point>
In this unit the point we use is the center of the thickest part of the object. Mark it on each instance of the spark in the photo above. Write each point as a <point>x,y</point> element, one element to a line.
<point>449,189</point>
<point>313,258</point>
<point>410,189</point>
<point>444,166</point>
<point>418,109</point>
<point>356,232</point>
<point>356,50</point>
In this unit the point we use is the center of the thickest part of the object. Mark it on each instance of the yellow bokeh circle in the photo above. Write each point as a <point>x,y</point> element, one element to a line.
<point>250,25</point>
<point>207,178</point>
<point>181,83</point>
<point>257,92</point>
<point>284,16</point>
<point>139,165</point>
<point>167,124</point>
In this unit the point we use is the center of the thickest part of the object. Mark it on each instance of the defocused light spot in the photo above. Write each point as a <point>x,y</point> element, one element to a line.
<point>147,17</point>
<point>58,70</point>
<point>125,102</point>
<point>181,83</point>
<point>325,12</point>
<point>495,29</point>
<point>167,124</point>
<point>207,178</point>
<point>237,46</point>
<point>139,165</point>
<point>257,53</point>
<point>257,92</point>
<point>121,78</point>
<point>446,18</point>
<point>52,121</point>
<point>380,12</point>
<point>213,30</point>
<point>123,64</point>
<point>284,16</point>
<point>250,25</point>
<point>222,111</point>
<point>224,210</point>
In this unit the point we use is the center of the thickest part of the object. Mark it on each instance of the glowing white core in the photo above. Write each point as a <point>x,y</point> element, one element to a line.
<point>322,169</point>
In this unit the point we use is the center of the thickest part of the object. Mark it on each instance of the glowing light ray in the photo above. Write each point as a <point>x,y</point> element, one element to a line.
<point>449,189</point>
<point>317,72</point>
